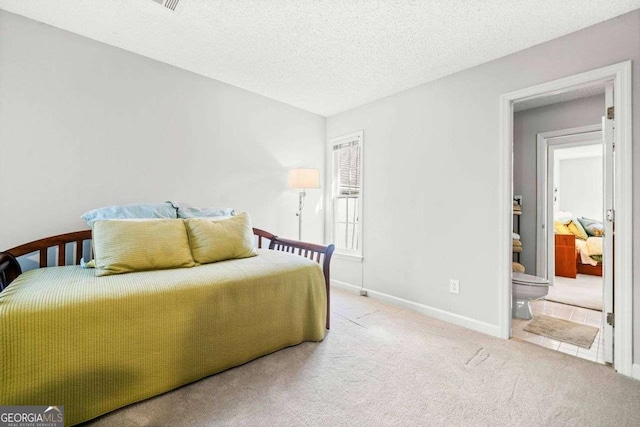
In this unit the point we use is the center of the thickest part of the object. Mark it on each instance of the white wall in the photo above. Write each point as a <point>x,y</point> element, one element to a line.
<point>526,125</point>
<point>432,172</point>
<point>84,125</point>
<point>581,187</point>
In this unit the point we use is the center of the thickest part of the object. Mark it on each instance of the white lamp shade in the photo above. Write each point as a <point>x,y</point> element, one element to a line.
<point>304,178</point>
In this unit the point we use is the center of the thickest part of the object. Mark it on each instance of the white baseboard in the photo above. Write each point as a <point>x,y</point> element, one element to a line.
<point>344,285</point>
<point>436,313</point>
<point>635,371</point>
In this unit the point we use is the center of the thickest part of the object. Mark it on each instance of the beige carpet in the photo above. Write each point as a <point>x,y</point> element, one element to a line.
<point>385,366</point>
<point>563,330</point>
<point>583,291</point>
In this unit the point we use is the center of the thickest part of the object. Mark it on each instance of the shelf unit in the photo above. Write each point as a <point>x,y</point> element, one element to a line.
<point>516,223</point>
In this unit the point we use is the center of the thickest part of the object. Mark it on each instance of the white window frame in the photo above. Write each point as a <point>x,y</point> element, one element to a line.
<point>342,253</point>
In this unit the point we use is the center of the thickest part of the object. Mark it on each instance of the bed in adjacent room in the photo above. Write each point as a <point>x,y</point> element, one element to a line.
<point>578,247</point>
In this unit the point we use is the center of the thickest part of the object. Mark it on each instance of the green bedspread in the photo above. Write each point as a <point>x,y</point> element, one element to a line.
<point>94,344</point>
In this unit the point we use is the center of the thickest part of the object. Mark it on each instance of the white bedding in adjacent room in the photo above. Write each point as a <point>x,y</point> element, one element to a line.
<point>589,247</point>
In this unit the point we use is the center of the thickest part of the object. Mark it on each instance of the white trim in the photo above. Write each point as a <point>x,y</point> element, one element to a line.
<point>621,75</point>
<point>608,266</point>
<point>339,284</point>
<point>505,215</point>
<point>635,371</point>
<point>436,313</point>
<point>332,142</point>
<point>544,244</point>
<point>353,135</point>
<point>623,195</point>
<point>347,256</point>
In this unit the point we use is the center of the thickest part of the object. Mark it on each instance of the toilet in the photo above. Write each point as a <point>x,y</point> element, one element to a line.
<point>526,287</point>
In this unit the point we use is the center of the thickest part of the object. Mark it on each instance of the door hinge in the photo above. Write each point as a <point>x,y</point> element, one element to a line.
<point>610,113</point>
<point>611,215</point>
<point>611,320</point>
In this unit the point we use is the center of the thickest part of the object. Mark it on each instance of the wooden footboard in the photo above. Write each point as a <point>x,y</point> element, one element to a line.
<point>319,253</point>
<point>10,268</point>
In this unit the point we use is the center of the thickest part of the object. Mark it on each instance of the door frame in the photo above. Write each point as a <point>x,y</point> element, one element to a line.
<point>573,137</point>
<point>620,74</point>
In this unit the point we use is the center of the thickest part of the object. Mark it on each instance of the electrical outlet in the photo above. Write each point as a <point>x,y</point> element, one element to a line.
<point>454,286</point>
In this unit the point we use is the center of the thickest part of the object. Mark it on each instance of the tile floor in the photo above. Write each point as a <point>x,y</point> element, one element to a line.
<point>567,312</point>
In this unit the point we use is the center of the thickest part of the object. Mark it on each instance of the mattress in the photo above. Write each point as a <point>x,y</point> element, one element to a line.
<point>94,344</point>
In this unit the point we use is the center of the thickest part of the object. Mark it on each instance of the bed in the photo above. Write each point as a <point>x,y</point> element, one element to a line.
<point>577,256</point>
<point>95,344</point>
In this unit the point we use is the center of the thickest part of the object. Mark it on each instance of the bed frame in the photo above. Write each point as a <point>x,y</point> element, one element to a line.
<point>10,268</point>
<point>567,262</point>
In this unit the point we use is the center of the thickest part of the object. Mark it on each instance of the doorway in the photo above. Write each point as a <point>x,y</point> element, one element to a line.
<point>619,205</point>
<point>570,192</point>
<point>577,144</point>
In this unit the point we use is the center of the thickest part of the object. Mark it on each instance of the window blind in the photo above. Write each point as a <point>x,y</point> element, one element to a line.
<point>346,158</point>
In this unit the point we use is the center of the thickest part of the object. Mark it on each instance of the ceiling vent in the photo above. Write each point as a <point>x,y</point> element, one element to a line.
<point>169,4</point>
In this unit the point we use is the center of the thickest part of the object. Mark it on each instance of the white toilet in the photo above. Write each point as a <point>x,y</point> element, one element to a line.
<point>524,288</point>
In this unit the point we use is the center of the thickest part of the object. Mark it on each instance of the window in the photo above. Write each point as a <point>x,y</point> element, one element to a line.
<point>347,193</point>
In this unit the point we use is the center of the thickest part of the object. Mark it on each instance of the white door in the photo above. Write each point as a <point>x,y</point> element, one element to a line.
<point>609,217</point>
<point>549,143</point>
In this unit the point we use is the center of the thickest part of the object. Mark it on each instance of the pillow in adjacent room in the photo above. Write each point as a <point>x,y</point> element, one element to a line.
<point>124,246</point>
<point>561,226</point>
<point>133,210</point>
<point>193,212</point>
<point>593,227</point>
<point>577,230</point>
<point>215,239</point>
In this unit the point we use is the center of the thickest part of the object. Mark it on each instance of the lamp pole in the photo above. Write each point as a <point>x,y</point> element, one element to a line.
<point>301,197</point>
<point>302,179</point>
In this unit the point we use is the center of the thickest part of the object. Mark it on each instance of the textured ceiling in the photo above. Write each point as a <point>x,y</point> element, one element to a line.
<point>322,56</point>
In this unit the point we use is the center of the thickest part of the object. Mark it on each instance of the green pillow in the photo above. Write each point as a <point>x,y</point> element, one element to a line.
<point>214,240</point>
<point>124,246</point>
<point>593,227</point>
